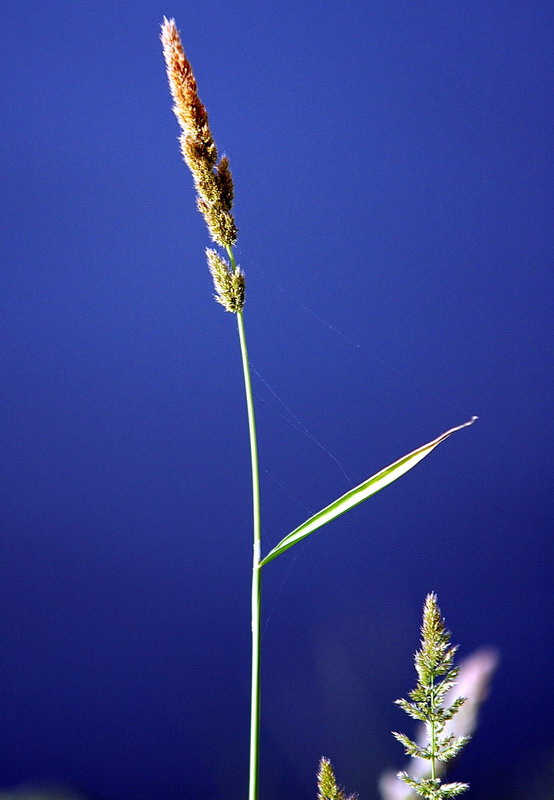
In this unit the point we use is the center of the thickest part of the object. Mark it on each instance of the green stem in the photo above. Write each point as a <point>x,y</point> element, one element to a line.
<point>433,767</point>
<point>256,569</point>
<point>433,733</point>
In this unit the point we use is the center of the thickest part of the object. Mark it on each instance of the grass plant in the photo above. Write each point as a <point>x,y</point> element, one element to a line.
<point>214,197</point>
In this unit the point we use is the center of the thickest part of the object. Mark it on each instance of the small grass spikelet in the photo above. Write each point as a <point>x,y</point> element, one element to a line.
<point>327,788</point>
<point>434,663</point>
<point>212,178</point>
<point>229,284</point>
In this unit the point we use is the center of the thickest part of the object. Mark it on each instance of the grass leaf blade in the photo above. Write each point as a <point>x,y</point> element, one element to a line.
<point>360,493</point>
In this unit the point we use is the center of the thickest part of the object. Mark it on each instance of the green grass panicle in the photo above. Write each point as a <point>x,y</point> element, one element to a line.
<point>327,788</point>
<point>434,663</point>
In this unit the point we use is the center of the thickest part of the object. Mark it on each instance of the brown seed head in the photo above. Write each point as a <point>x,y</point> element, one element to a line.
<point>213,181</point>
<point>188,108</point>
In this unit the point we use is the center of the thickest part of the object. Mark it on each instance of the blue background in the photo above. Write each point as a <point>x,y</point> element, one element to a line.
<point>393,174</point>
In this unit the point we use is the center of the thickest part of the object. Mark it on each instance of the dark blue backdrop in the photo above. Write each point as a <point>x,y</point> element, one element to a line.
<point>393,173</point>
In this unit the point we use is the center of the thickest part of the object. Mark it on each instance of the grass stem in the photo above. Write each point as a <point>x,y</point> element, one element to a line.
<point>256,570</point>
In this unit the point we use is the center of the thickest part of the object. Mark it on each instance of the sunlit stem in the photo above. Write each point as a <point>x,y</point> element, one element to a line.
<point>432,736</point>
<point>256,569</point>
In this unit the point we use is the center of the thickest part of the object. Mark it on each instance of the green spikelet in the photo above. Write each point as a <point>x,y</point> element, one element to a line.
<point>327,788</point>
<point>434,660</point>
<point>228,283</point>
